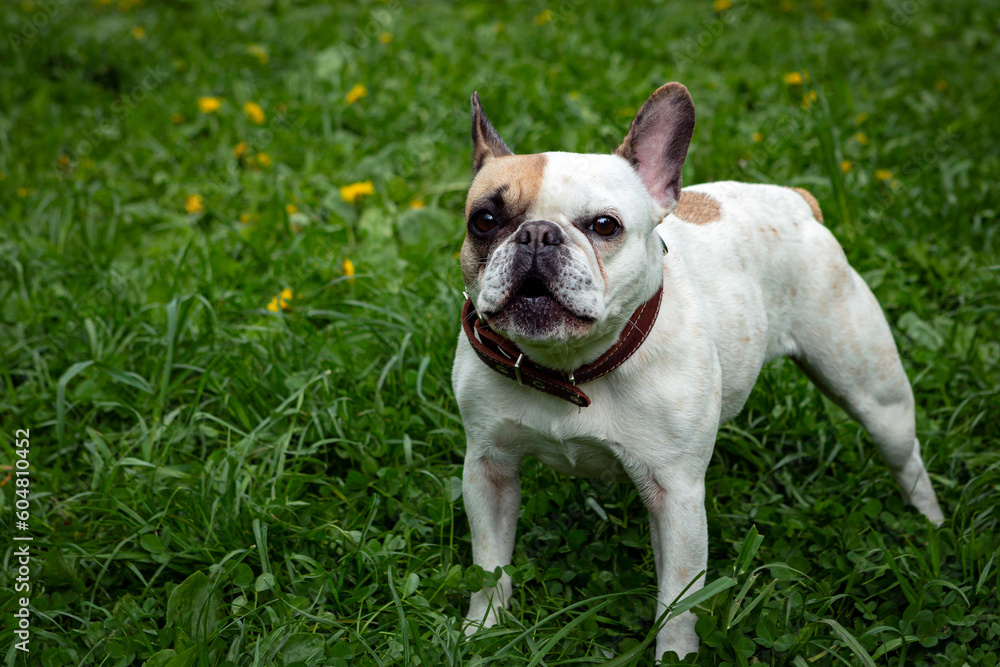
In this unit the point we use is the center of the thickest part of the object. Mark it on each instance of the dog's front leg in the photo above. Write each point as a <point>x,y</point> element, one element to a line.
<point>491,488</point>
<point>679,532</point>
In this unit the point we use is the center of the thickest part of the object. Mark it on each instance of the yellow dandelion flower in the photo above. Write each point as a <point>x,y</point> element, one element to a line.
<point>861,138</point>
<point>194,203</point>
<point>348,267</point>
<point>845,166</point>
<point>757,137</point>
<point>22,192</point>
<point>883,174</point>
<point>259,52</point>
<point>721,5</point>
<point>941,85</point>
<point>793,78</point>
<point>244,218</point>
<point>385,37</point>
<point>860,118</point>
<point>264,159</point>
<point>209,104</point>
<point>544,17</point>
<point>291,208</point>
<point>139,32</point>
<point>253,110</point>
<point>417,204</point>
<point>176,118</point>
<point>356,93</point>
<point>808,99</point>
<point>281,301</point>
<point>240,149</point>
<point>353,192</point>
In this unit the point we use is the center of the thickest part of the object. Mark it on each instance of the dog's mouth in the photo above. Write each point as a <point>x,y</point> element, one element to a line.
<point>533,287</point>
<point>533,301</point>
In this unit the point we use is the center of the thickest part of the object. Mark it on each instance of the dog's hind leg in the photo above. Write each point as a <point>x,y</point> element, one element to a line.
<point>844,345</point>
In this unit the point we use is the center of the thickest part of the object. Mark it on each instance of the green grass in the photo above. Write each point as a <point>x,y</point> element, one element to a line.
<point>215,483</point>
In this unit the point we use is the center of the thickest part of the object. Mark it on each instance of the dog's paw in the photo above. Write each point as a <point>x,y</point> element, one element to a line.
<point>484,610</point>
<point>470,627</point>
<point>479,617</point>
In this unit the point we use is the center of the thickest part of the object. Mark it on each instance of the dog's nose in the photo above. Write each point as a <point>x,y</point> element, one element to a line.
<point>539,233</point>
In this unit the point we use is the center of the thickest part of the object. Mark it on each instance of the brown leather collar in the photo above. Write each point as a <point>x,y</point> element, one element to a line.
<point>502,355</point>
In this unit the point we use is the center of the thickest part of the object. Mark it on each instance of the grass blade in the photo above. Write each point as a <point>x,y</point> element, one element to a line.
<point>851,642</point>
<point>70,373</point>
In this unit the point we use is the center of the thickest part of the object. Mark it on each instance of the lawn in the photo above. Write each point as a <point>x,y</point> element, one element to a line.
<point>230,295</point>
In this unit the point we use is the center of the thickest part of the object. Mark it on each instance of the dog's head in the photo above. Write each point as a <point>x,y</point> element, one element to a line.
<point>560,248</point>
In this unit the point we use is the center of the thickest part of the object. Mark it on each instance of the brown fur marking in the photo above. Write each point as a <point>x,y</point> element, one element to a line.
<point>514,178</point>
<point>813,204</point>
<point>698,208</point>
<point>522,174</point>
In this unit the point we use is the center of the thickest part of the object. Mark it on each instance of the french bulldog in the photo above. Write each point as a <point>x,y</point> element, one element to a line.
<point>572,259</point>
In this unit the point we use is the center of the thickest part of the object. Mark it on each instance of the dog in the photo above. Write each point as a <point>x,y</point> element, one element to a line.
<point>613,321</point>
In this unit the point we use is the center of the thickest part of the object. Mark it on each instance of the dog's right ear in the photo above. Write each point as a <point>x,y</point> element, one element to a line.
<point>486,143</point>
<point>658,140</point>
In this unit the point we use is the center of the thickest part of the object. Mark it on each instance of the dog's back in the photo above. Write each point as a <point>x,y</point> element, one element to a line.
<point>774,281</point>
<point>758,256</point>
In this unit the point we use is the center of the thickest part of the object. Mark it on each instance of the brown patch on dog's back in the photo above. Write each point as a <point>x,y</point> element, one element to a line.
<point>813,204</point>
<point>697,208</point>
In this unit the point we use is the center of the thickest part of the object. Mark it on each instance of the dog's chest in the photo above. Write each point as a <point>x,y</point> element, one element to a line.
<point>567,450</point>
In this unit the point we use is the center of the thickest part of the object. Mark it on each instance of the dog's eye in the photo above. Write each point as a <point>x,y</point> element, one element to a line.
<point>605,226</point>
<point>483,222</point>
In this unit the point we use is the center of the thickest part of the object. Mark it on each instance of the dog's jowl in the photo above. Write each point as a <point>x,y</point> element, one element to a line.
<point>614,321</point>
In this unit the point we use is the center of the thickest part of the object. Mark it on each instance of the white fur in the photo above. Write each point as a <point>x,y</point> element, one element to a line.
<point>763,281</point>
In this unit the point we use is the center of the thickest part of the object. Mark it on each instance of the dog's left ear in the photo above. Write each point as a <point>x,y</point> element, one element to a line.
<point>486,143</point>
<point>658,140</point>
